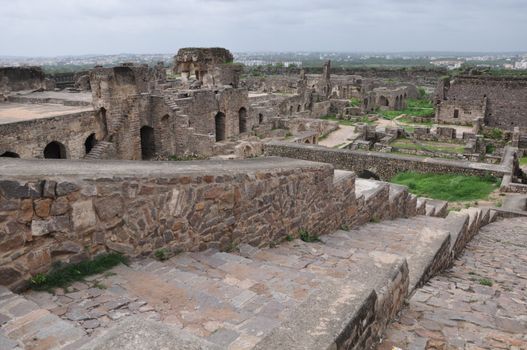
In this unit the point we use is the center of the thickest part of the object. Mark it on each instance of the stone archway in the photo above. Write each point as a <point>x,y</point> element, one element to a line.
<point>9,154</point>
<point>55,150</point>
<point>90,142</point>
<point>148,147</point>
<point>383,101</point>
<point>219,121</point>
<point>242,120</point>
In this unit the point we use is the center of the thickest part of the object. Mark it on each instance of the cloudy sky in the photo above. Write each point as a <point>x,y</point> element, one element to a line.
<point>60,27</point>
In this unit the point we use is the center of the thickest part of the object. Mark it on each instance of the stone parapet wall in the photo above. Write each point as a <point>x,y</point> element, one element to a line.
<point>69,211</point>
<point>384,165</point>
<point>29,138</point>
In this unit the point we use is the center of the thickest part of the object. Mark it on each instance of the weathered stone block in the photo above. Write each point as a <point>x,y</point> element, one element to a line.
<point>51,225</point>
<point>42,207</point>
<point>65,188</point>
<point>9,275</point>
<point>48,190</point>
<point>13,189</point>
<point>120,247</point>
<point>109,207</point>
<point>60,206</point>
<point>83,215</point>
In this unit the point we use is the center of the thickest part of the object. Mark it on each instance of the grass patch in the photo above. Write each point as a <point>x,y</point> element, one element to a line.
<point>355,102</point>
<point>428,146</point>
<point>486,282</point>
<point>308,237</point>
<point>415,108</point>
<point>63,276</point>
<point>448,187</point>
<point>162,254</point>
<point>523,160</point>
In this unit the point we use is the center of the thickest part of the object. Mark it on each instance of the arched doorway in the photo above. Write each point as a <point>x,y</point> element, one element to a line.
<point>219,121</point>
<point>298,108</point>
<point>383,101</point>
<point>103,121</point>
<point>242,116</point>
<point>9,155</point>
<point>55,150</point>
<point>148,148</point>
<point>90,142</point>
<point>260,118</point>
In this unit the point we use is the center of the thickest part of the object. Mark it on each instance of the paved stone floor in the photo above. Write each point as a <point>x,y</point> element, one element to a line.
<point>481,303</point>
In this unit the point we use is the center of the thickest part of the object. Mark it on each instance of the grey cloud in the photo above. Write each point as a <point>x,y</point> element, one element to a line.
<point>52,27</point>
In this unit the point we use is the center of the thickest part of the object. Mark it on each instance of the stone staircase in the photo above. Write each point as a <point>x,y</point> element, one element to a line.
<point>103,146</point>
<point>337,292</point>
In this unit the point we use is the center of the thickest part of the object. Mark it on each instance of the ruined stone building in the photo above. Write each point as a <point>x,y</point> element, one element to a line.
<point>132,112</point>
<point>500,101</point>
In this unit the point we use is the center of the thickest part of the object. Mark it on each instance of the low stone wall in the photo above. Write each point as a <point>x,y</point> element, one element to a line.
<point>384,165</point>
<point>29,138</point>
<point>68,211</point>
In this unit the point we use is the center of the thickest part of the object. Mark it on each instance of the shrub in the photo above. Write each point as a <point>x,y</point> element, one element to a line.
<point>308,237</point>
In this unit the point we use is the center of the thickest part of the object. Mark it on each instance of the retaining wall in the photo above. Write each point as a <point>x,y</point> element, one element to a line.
<point>69,211</point>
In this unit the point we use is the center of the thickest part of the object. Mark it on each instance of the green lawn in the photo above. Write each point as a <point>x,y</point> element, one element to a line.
<point>448,187</point>
<point>416,108</point>
<point>523,161</point>
<point>428,146</point>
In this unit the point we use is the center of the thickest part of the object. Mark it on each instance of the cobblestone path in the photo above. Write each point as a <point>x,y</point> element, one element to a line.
<point>481,303</point>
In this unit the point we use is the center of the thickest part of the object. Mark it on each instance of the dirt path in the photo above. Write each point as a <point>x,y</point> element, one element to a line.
<point>340,136</point>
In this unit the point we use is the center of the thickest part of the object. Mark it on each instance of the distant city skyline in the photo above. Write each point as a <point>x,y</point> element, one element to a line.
<point>74,27</point>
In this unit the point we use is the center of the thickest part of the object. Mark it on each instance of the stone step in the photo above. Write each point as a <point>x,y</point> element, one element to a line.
<point>422,241</point>
<point>436,208</point>
<point>373,200</point>
<point>98,150</point>
<point>342,175</point>
<point>420,206</point>
<point>25,325</point>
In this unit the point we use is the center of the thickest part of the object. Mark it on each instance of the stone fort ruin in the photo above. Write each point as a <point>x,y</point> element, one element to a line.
<point>291,249</point>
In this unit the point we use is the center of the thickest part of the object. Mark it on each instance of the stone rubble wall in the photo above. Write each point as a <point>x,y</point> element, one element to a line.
<point>69,218</point>
<point>384,165</point>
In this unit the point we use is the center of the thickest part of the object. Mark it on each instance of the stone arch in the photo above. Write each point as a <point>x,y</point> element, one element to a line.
<point>9,154</point>
<point>242,120</point>
<point>383,101</point>
<point>298,108</point>
<point>260,118</point>
<point>90,142</point>
<point>308,141</point>
<point>248,151</point>
<point>219,121</point>
<point>148,147</point>
<point>368,174</point>
<point>397,103</point>
<point>55,150</point>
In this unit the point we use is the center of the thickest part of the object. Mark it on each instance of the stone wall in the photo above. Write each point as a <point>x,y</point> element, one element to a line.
<point>21,78</point>
<point>384,165</point>
<point>29,138</point>
<point>501,101</point>
<point>69,211</point>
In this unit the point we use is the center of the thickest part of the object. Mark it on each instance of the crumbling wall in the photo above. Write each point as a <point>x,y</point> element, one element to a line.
<point>22,78</point>
<point>501,101</point>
